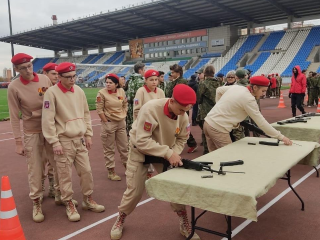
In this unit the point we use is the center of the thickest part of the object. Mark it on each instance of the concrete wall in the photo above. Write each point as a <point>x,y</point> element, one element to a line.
<point>228,33</point>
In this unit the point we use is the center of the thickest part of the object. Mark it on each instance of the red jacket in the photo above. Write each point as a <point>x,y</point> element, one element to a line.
<point>273,83</point>
<point>299,83</point>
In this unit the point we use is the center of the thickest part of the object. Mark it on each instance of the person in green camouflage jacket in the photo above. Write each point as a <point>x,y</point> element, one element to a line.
<point>314,90</point>
<point>136,80</point>
<point>177,76</point>
<point>162,84</point>
<point>241,78</point>
<point>206,96</point>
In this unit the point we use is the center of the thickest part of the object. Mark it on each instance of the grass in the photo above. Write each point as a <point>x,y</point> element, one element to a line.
<point>91,94</point>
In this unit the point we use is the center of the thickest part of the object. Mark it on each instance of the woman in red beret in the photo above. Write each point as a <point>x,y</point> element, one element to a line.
<point>112,107</point>
<point>233,105</point>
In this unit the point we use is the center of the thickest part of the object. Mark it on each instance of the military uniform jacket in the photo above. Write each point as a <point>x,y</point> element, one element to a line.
<point>136,81</point>
<point>206,95</point>
<point>314,82</point>
<point>162,85</point>
<point>243,82</point>
<point>170,86</point>
<point>154,133</point>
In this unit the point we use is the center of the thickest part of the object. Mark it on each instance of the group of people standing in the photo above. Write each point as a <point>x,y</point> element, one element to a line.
<point>57,127</point>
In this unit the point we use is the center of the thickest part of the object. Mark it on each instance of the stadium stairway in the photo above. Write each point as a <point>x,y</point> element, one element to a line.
<point>258,62</point>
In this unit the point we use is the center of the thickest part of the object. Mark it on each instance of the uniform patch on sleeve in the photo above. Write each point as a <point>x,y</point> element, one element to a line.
<point>136,101</point>
<point>98,99</point>
<point>46,104</point>
<point>188,128</point>
<point>120,98</point>
<point>147,126</point>
<point>177,132</point>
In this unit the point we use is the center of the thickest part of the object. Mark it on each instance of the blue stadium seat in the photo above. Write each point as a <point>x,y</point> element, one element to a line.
<point>258,62</point>
<point>38,63</point>
<point>191,71</point>
<point>247,46</point>
<point>300,59</point>
<point>89,58</point>
<point>94,60</point>
<point>272,41</point>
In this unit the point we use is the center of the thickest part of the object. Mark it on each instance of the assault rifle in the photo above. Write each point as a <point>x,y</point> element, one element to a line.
<point>296,120</point>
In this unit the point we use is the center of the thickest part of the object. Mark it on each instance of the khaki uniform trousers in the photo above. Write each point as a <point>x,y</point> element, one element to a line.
<point>36,150</point>
<point>74,152</point>
<point>136,175</point>
<point>46,164</point>
<point>215,139</point>
<point>114,132</point>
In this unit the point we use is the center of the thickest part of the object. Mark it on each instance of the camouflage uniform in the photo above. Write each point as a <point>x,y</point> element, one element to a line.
<point>162,85</point>
<point>314,91</point>
<point>206,97</point>
<point>135,82</point>
<point>308,90</point>
<point>243,82</point>
<point>278,87</point>
<point>168,91</point>
<point>171,85</point>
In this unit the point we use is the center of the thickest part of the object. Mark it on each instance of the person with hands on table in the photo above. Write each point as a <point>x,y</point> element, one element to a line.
<point>66,124</point>
<point>112,107</point>
<point>233,105</point>
<point>161,130</point>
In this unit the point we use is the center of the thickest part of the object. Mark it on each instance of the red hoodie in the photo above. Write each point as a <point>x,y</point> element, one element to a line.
<point>299,83</point>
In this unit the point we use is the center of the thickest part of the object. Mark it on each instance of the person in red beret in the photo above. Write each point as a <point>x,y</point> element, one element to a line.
<point>50,71</point>
<point>147,92</point>
<point>66,125</point>
<point>25,97</point>
<point>160,130</point>
<point>233,105</point>
<point>112,108</point>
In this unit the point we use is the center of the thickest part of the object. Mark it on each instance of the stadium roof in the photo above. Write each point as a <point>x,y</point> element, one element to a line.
<point>163,17</point>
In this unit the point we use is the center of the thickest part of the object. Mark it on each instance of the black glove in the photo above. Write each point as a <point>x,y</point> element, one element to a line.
<point>290,94</point>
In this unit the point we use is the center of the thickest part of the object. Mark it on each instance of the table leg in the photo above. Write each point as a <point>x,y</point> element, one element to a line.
<point>229,231</point>
<point>193,223</point>
<point>288,178</point>
<point>316,171</point>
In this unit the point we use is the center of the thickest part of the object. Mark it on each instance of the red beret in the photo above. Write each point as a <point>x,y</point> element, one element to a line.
<point>49,66</point>
<point>65,67</point>
<point>20,58</point>
<point>151,73</point>
<point>272,74</point>
<point>113,77</point>
<point>184,95</point>
<point>262,74</point>
<point>260,81</point>
<point>277,74</point>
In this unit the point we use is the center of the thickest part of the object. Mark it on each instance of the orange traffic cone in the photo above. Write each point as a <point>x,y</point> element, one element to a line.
<point>10,227</point>
<point>281,101</point>
<point>318,108</point>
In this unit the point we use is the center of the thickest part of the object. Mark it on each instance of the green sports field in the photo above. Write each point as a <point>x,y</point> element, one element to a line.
<point>91,94</point>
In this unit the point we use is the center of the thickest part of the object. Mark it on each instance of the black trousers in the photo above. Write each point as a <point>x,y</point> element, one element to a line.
<point>296,101</point>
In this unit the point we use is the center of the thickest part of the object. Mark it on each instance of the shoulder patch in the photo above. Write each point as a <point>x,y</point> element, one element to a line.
<point>46,104</point>
<point>147,126</point>
<point>136,101</point>
<point>98,99</point>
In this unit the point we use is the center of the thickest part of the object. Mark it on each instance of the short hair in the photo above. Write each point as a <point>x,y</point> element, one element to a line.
<point>138,66</point>
<point>160,73</point>
<point>123,76</point>
<point>314,74</point>
<point>209,71</point>
<point>232,72</point>
<point>177,68</point>
<point>304,70</point>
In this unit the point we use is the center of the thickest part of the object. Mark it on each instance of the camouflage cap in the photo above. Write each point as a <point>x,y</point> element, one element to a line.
<point>240,73</point>
<point>199,71</point>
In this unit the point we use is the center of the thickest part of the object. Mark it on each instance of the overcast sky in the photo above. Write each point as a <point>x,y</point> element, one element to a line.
<point>34,13</point>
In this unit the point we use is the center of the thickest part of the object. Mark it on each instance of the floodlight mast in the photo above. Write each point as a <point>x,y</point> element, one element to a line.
<point>10,25</point>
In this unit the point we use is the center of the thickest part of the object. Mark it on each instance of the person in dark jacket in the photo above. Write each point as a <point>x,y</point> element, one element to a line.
<point>193,83</point>
<point>297,90</point>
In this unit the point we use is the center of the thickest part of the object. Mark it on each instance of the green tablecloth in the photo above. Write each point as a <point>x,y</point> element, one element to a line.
<point>232,194</point>
<point>309,131</point>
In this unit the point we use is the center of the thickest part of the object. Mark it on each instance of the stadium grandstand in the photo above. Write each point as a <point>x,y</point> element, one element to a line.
<point>227,34</point>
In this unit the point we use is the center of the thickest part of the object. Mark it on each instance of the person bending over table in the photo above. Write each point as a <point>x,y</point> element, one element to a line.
<point>233,105</point>
<point>161,130</point>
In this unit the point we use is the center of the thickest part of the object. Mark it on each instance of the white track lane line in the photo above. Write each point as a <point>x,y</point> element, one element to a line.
<point>272,202</point>
<point>99,222</point>
<point>235,231</point>
<point>8,139</point>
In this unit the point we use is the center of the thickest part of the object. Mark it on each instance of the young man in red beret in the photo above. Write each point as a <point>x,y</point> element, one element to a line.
<point>25,96</point>
<point>50,72</point>
<point>161,130</point>
<point>233,105</point>
<point>66,124</point>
